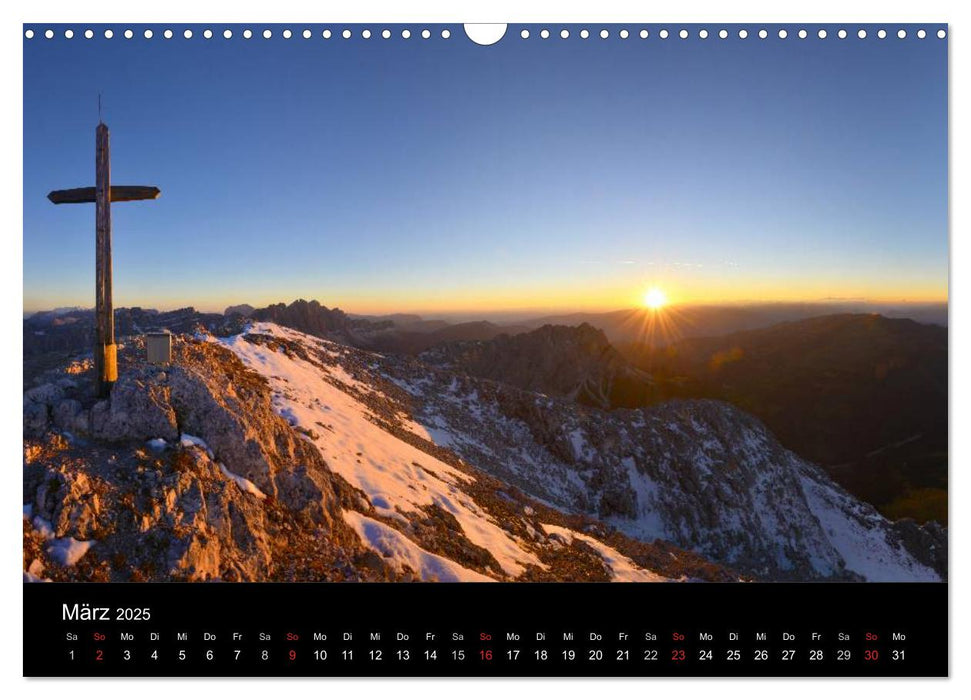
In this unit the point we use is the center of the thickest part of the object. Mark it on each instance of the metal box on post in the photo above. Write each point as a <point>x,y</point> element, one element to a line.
<point>159,347</point>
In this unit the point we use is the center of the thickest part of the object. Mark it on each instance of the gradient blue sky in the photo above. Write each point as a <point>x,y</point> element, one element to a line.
<point>434,175</point>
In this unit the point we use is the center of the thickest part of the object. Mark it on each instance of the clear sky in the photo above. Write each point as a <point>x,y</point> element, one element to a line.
<point>437,175</point>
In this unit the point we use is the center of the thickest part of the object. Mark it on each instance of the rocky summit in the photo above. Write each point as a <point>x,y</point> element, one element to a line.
<point>275,455</point>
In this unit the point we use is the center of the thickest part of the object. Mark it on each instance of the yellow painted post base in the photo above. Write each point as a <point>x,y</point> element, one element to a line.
<point>111,363</point>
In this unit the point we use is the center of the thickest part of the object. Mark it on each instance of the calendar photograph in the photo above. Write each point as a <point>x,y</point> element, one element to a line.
<point>579,304</point>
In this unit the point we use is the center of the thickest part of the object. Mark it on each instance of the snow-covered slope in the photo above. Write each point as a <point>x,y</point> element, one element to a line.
<point>426,447</point>
<point>398,478</point>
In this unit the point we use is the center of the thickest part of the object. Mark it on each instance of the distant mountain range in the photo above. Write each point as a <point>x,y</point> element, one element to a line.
<point>693,321</point>
<point>413,334</point>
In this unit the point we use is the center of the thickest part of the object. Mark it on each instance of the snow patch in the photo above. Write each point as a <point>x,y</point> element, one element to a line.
<point>67,550</point>
<point>401,552</point>
<point>620,567</point>
<point>853,531</point>
<point>245,485</point>
<point>187,440</point>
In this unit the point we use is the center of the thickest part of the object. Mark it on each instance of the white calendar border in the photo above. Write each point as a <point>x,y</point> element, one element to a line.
<point>890,11</point>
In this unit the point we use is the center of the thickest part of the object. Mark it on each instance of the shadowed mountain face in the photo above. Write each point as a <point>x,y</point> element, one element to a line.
<point>316,319</point>
<point>399,333</point>
<point>412,340</point>
<point>574,362</point>
<point>863,395</point>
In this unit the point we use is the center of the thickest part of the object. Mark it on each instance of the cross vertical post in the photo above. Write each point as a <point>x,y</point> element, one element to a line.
<point>105,362</point>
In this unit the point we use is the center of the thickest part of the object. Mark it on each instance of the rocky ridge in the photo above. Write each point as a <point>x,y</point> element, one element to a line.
<point>198,471</point>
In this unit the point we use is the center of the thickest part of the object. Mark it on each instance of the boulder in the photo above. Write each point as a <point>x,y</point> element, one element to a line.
<point>45,393</point>
<point>36,418</point>
<point>69,415</point>
<point>138,409</point>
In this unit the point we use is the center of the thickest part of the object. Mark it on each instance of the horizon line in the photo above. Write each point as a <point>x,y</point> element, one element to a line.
<point>566,310</point>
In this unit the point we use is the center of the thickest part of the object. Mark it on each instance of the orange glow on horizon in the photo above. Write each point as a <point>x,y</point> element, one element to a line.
<point>582,296</point>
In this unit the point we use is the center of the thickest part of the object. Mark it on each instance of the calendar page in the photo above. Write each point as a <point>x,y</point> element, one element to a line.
<point>485,350</point>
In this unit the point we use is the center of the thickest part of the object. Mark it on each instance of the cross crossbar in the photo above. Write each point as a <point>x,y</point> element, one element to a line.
<point>119,193</point>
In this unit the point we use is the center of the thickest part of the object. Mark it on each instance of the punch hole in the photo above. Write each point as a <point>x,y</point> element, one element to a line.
<point>703,34</point>
<point>68,34</point>
<point>663,33</point>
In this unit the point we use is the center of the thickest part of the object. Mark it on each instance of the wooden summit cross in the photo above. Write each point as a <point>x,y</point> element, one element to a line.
<point>103,194</point>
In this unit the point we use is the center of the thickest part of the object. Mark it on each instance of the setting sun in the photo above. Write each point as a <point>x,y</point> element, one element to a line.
<point>655,298</point>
